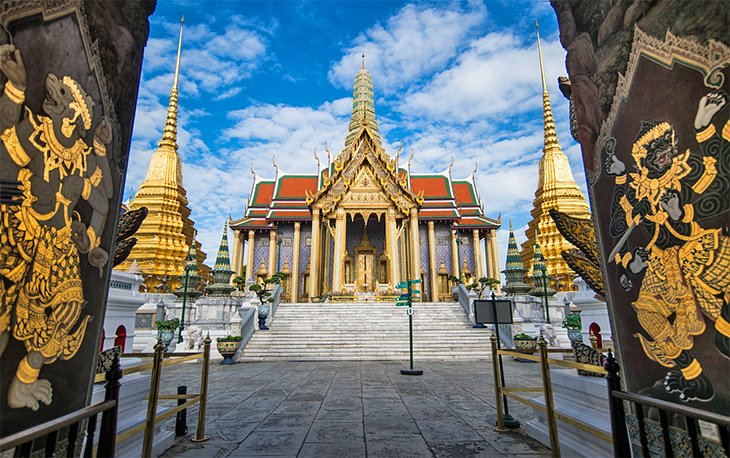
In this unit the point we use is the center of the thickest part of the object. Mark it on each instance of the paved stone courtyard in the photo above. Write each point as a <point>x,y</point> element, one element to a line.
<point>352,409</point>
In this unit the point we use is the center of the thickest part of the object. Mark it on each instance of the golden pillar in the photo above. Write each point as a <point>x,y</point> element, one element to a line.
<point>432,261</point>
<point>272,252</point>
<point>295,263</point>
<point>237,246</point>
<point>495,260</point>
<point>314,256</point>
<point>490,256</point>
<point>455,267</point>
<point>415,249</point>
<point>340,246</point>
<point>250,268</point>
<point>477,254</point>
<point>391,246</point>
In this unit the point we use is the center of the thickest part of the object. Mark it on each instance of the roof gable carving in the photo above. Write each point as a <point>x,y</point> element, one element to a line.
<point>382,174</point>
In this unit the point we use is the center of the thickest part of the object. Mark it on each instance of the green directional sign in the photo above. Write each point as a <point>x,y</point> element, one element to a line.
<point>402,304</point>
<point>401,285</point>
<point>416,291</point>
<point>414,281</point>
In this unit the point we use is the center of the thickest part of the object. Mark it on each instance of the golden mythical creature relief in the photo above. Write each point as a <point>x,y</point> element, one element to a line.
<point>42,235</point>
<point>685,266</point>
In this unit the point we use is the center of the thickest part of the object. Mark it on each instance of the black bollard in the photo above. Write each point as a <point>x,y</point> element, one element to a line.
<point>181,421</point>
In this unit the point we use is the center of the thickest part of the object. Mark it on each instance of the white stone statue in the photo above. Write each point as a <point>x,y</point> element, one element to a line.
<point>194,338</point>
<point>548,333</point>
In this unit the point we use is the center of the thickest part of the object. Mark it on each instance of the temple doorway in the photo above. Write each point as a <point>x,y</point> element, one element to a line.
<point>365,265</point>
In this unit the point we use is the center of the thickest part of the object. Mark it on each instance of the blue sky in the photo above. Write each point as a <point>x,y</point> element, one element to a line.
<point>263,78</point>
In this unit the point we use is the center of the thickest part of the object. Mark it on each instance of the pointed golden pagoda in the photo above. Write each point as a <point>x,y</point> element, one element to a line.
<point>164,239</point>
<point>557,189</point>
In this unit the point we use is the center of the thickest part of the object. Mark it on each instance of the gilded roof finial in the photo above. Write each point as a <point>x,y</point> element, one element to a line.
<point>250,167</point>
<point>476,167</point>
<point>362,64</point>
<point>273,161</point>
<point>451,164</point>
<point>539,51</point>
<point>510,224</point>
<point>316,158</point>
<point>179,49</point>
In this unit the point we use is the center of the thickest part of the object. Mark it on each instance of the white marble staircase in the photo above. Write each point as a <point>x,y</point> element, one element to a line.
<point>368,331</point>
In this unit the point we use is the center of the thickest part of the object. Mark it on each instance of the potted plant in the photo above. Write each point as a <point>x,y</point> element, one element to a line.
<point>264,295</point>
<point>573,324</point>
<point>227,347</point>
<point>166,330</point>
<point>525,343</point>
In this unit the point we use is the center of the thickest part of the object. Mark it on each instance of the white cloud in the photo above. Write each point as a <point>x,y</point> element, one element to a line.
<point>497,76</point>
<point>416,41</point>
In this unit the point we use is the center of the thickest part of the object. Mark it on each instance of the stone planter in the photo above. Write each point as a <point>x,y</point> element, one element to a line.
<point>263,314</point>
<point>575,335</point>
<point>527,345</point>
<point>227,349</point>
<point>166,337</point>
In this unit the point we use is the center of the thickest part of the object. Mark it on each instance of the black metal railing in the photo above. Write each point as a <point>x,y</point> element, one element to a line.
<point>669,415</point>
<point>25,441</point>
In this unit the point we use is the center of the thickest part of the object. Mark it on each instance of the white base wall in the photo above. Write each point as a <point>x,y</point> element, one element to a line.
<point>584,399</point>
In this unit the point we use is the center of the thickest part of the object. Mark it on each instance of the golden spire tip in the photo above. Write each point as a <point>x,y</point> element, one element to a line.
<point>363,61</point>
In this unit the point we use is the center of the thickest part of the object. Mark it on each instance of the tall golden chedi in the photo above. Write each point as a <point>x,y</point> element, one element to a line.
<point>164,239</point>
<point>557,189</point>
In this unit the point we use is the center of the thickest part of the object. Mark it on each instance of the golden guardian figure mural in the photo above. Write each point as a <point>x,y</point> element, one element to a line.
<point>42,236</point>
<point>685,288</point>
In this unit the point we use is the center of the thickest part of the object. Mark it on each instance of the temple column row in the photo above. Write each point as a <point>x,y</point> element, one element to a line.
<point>432,261</point>
<point>314,261</point>
<point>295,263</point>
<point>391,233</point>
<point>477,254</point>
<point>272,252</point>
<point>455,267</point>
<point>495,260</point>
<point>250,269</point>
<point>340,247</point>
<point>415,250</point>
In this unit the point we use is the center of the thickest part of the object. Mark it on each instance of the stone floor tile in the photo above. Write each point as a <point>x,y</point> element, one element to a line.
<point>450,429</point>
<point>271,443</point>
<point>400,446</point>
<point>279,422</point>
<point>333,450</point>
<point>335,431</point>
<point>452,449</point>
<point>389,424</point>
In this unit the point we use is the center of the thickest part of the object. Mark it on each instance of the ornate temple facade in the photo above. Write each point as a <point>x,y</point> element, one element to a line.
<point>556,189</point>
<point>364,222</point>
<point>164,239</point>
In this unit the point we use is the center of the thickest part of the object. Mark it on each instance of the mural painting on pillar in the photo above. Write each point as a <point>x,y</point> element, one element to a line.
<point>63,157</point>
<point>425,267</point>
<point>663,156</point>
<point>304,250</point>
<point>443,246</point>
<point>261,252</point>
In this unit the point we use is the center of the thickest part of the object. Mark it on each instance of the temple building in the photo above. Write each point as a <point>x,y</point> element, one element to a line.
<point>556,188</point>
<point>364,222</point>
<point>164,239</point>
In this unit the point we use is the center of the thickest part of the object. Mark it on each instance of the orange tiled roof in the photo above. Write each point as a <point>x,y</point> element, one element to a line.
<point>262,194</point>
<point>464,193</point>
<point>433,186</point>
<point>294,186</point>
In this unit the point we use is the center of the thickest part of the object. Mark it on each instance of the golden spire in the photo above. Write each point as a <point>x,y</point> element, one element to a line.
<point>556,188</point>
<point>164,241</point>
<point>169,135</point>
<point>363,106</point>
<point>551,144</point>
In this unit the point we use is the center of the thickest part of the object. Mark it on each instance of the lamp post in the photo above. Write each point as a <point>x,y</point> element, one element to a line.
<point>278,257</point>
<point>185,297</point>
<point>544,290</point>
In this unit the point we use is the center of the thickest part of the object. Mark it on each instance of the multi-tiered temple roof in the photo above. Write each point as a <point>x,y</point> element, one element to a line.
<point>284,198</point>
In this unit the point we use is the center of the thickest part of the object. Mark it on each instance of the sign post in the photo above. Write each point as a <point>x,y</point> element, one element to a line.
<point>406,300</point>
<point>496,312</point>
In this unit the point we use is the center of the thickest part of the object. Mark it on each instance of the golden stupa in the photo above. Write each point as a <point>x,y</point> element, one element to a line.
<point>556,188</point>
<point>164,239</point>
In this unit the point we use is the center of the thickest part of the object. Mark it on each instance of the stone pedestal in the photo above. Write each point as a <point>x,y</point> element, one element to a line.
<point>584,399</point>
<point>592,311</point>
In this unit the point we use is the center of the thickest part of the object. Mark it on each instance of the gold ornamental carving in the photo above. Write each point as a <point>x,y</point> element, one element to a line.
<point>42,235</point>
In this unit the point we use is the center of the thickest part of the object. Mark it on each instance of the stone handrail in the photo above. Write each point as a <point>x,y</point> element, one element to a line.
<point>275,299</point>
<point>248,324</point>
<point>463,296</point>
